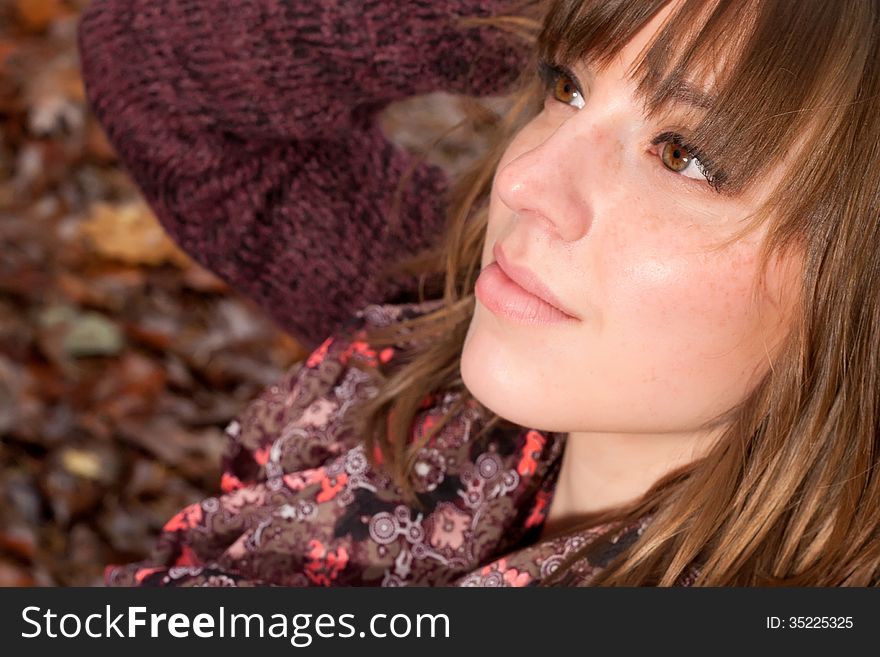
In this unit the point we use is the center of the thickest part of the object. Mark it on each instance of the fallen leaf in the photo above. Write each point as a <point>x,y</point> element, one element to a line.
<point>157,331</point>
<point>129,386</point>
<point>97,144</point>
<point>130,233</point>
<point>37,15</point>
<point>109,290</point>
<point>286,351</point>
<point>92,334</point>
<point>200,279</point>
<point>69,495</point>
<point>12,574</point>
<point>19,540</point>
<point>10,394</point>
<point>196,453</point>
<point>8,48</point>
<point>100,466</point>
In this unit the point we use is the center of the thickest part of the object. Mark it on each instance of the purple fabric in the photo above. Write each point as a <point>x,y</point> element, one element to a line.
<point>250,128</point>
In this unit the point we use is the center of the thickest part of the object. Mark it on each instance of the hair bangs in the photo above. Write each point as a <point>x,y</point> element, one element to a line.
<point>765,94</point>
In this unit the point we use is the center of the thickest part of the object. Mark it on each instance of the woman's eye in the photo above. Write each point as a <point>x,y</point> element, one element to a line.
<point>679,159</point>
<point>565,91</point>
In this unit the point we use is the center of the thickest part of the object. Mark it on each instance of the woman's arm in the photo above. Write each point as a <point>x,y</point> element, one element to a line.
<point>250,128</point>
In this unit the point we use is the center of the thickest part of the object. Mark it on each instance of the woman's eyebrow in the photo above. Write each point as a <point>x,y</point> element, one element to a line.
<point>685,92</point>
<point>682,92</point>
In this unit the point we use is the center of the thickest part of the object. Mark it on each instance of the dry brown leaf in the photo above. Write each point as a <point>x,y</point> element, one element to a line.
<point>195,452</point>
<point>37,15</point>
<point>18,540</point>
<point>12,574</point>
<point>82,463</point>
<point>130,385</point>
<point>201,280</point>
<point>8,47</point>
<point>108,291</point>
<point>130,233</point>
<point>97,144</point>
<point>55,99</point>
<point>287,350</point>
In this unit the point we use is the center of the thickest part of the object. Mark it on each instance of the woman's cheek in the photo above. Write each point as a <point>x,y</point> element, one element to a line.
<point>690,318</point>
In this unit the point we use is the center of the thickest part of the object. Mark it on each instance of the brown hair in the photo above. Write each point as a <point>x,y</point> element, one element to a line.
<point>790,493</point>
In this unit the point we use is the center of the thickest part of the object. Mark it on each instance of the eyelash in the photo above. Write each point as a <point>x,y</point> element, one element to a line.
<point>550,73</point>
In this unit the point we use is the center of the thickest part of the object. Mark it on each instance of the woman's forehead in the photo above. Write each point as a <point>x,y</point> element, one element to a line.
<point>694,84</point>
<point>690,70</point>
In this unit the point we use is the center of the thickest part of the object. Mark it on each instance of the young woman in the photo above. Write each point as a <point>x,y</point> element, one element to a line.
<point>646,343</point>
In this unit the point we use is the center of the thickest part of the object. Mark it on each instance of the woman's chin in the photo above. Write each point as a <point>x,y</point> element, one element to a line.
<point>499,383</point>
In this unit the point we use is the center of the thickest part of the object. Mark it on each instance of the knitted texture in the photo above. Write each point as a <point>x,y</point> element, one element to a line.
<point>250,127</point>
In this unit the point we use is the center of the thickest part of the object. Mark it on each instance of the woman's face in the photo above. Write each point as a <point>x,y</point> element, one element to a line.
<point>667,334</point>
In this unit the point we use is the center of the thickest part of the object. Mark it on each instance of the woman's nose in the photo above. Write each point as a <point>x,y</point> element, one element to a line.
<point>551,177</point>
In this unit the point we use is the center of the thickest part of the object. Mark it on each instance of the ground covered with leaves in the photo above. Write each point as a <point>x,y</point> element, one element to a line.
<point>121,361</point>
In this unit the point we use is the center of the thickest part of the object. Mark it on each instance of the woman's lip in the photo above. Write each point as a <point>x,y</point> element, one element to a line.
<point>528,281</point>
